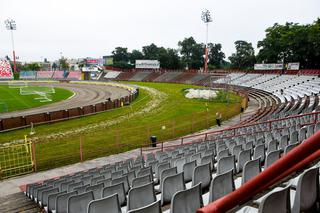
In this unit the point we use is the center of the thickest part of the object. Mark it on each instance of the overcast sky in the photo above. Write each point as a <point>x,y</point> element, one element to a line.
<point>80,28</point>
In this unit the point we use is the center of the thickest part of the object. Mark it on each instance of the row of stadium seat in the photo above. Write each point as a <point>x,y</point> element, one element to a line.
<point>45,75</point>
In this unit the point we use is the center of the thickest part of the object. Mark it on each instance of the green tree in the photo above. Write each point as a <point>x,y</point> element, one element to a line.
<point>151,52</point>
<point>192,53</point>
<point>135,55</point>
<point>63,64</point>
<point>291,43</point>
<point>216,56</point>
<point>244,57</point>
<point>120,54</point>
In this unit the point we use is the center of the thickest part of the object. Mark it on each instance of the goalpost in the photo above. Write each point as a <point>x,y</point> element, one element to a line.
<point>44,93</point>
<point>17,84</point>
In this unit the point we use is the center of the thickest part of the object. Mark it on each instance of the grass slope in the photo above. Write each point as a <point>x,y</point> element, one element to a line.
<point>11,100</point>
<point>176,113</point>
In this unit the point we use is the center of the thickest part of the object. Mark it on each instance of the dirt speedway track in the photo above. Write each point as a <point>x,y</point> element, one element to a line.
<point>84,95</point>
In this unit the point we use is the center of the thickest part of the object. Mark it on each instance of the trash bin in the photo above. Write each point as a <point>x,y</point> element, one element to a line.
<point>153,140</point>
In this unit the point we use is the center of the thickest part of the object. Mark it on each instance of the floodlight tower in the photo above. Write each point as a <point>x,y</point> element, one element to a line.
<point>206,18</point>
<point>11,25</point>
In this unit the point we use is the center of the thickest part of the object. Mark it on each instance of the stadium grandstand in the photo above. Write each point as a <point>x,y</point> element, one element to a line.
<point>269,159</point>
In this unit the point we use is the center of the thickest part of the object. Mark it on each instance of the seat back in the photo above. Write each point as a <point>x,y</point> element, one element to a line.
<point>221,185</point>
<point>293,137</point>
<point>96,189</point>
<point>272,157</point>
<point>187,201</point>
<point>222,154</point>
<point>81,189</point>
<point>259,152</point>
<point>244,157</point>
<point>188,170</point>
<point>106,182</point>
<point>225,164</point>
<point>141,196</point>
<point>160,167</point>
<point>236,151</point>
<point>278,200</point>
<point>110,204</point>
<point>72,186</point>
<point>139,181</point>
<point>152,208</point>
<point>166,173</point>
<point>52,198</point>
<point>62,202</point>
<point>79,203</point>
<point>208,159</point>
<point>171,185</point>
<point>115,189</point>
<point>307,191</point>
<point>272,146</point>
<point>290,147</point>
<point>251,169</point>
<point>125,181</point>
<point>145,171</point>
<point>45,194</point>
<point>179,163</point>
<point>202,174</point>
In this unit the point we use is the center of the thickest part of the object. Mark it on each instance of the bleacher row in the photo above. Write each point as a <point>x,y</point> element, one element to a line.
<point>184,178</point>
<point>47,75</point>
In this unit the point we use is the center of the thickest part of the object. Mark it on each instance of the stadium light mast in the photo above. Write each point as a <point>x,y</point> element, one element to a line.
<point>206,18</point>
<point>11,25</point>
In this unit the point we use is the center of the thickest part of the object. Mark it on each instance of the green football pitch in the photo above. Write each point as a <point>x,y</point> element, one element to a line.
<point>11,99</point>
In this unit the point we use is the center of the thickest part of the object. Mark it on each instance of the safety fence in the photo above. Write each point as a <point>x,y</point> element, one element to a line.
<point>16,159</point>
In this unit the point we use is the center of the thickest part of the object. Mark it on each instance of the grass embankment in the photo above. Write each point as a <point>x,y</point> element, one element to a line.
<point>12,100</point>
<point>126,128</point>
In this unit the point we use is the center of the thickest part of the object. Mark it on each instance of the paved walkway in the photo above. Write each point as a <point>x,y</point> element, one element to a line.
<point>11,186</point>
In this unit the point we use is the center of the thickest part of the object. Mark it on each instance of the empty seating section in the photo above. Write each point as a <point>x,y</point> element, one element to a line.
<point>167,76</point>
<point>74,75</point>
<point>111,74</point>
<point>186,177</point>
<point>139,76</point>
<point>58,75</point>
<point>28,75</point>
<point>44,74</point>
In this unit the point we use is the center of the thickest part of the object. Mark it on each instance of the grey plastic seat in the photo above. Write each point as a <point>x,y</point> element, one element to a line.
<point>208,159</point>
<point>145,171</point>
<point>197,158</point>
<point>79,203</point>
<point>310,130</point>
<point>166,173</point>
<point>95,180</point>
<point>171,185</point>
<point>283,142</point>
<point>159,168</point>
<point>307,190</point>
<point>293,137</point>
<point>45,195</point>
<point>290,147</point>
<point>187,201</point>
<point>248,145</point>
<point>244,157</point>
<point>125,181</point>
<point>272,157</point>
<point>222,154</point>
<point>202,174</point>
<point>86,180</point>
<point>139,181</point>
<point>259,152</point>
<point>221,185</point>
<point>39,192</point>
<point>236,151</point>
<point>152,208</point>
<point>302,134</point>
<point>251,169</point>
<point>116,174</point>
<point>52,201</point>
<point>81,189</point>
<point>74,185</point>
<point>61,205</point>
<point>225,164</point>
<point>96,189</point>
<point>106,182</point>
<point>108,204</point>
<point>188,170</point>
<point>179,163</point>
<point>141,196</point>
<point>275,201</point>
<point>116,189</point>
<point>272,146</point>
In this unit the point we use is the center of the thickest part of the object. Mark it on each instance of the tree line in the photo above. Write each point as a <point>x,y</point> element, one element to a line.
<point>290,42</point>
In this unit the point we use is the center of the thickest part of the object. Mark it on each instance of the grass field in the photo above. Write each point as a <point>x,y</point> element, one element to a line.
<point>158,105</point>
<point>12,100</point>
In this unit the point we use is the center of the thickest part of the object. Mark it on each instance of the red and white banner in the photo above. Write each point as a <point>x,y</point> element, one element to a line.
<point>5,69</point>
